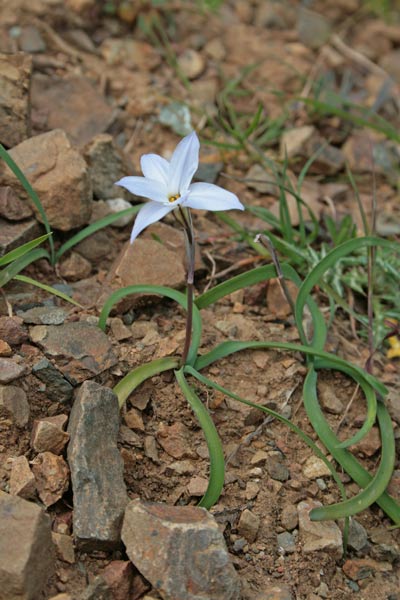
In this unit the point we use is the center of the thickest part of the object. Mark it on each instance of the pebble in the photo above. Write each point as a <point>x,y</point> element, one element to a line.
<point>277,468</point>
<point>248,525</point>
<point>43,315</point>
<point>22,481</point>
<point>197,486</point>
<point>26,548</point>
<point>11,207</point>
<point>358,537</point>
<point>12,330</point>
<point>259,179</point>
<point>96,468</point>
<point>191,63</point>
<point>57,387</point>
<point>293,140</point>
<point>48,436</point>
<point>175,440</point>
<point>116,205</point>
<point>313,28</point>
<point>328,398</point>
<point>134,420</point>
<point>119,330</point>
<point>10,370</point>
<point>370,444</point>
<point>150,448</point>
<point>197,568</point>
<point>52,477</point>
<point>289,517</point>
<point>14,401</point>
<point>182,467</point>
<point>277,592</point>
<point>287,542</point>
<point>315,467</point>
<point>318,535</point>
<point>259,458</point>
<point>64,547</point>
<point>5,349</point>
<point>75,267</point>
<point>118,575</point>
<point>252,490</point>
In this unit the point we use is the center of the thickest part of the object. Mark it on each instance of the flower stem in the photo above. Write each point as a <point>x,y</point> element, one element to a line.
<point>190,252</point>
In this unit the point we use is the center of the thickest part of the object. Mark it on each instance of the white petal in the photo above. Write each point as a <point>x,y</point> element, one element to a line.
<point>155,167</point>
<point>148,214</point>
<point>208,196</point>
<point>183,165</point>
<point>148,188</point>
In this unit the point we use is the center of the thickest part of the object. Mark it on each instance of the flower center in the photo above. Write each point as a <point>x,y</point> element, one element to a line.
<point>173,198</point>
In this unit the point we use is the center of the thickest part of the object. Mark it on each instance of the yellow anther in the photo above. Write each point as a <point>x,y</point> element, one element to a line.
<point>173,198</point>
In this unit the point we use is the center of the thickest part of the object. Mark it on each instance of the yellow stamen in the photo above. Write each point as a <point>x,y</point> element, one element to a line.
<point>173,198</point>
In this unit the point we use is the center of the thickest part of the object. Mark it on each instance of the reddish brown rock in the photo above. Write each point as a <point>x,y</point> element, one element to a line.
<point>22,480</point>
<point>119,577</point>
<point>14,401</point>
<point>134,420</point>
<point>59,175</point>
<point>15,234</point>
<point>180,551</point>
<point>26,549</point>
<point>64,547</point>
<point>75,267</point>
<point>5,349</point>
<point>52,477</point>
<point>12,330</point>
<point>72,104</point>
<point>48,436</point>
<point>15,79</point>
<point>361,568</point>
<point>175,440</point>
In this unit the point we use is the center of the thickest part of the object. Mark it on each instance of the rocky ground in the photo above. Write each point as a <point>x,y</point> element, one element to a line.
<point>85,88</point>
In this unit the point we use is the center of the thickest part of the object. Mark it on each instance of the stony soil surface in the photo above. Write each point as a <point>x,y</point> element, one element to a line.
<point>85,88</point>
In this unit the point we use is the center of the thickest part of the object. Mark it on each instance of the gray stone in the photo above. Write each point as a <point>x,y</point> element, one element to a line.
<point>176,115</point>
<point>357,536</point>
<point>260,179</point>
<point>97,590</point>
<point>318,535</point>
<point>31,40</point>
<point>57,387</point>
<point>96,468</point>
<point>287,542</point>
<point>15,79</point>
<point>26,549</point>
<point>43,315</point>
<point>81,350</point>
<point>208,172</point>
<point>180,551</point>
<point>313,28</point>
<point>106,166</point>
<point>329,400</point>
<point>116,205</point>
<point>14,401</point>
<point>277,468</point>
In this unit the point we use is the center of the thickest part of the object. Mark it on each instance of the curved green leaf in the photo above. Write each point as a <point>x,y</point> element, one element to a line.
<point>23,249</point>
<point>19,264</point>
<point>216,453</point>
<point>47,288</point>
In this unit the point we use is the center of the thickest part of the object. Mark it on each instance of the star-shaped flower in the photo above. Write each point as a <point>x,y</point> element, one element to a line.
<point>167,184</point>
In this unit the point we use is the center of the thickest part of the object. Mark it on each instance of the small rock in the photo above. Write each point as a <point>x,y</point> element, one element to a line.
<point>97,590</point>
<point>22,480</point>
<point>358,537</point>
<point>197,486</point>
<point>318,535</point>
<point>59,175</point>
<point>208,172</point>
<point>276,592</point>
<point>127,436</point>
<point>289,517</point>
<point>15,80</point>
<point>315,467</point>
<point>5,349</point>
<point>75,267</point>
<point>252,490</point>
<point>277,468</point>
<point>134,420</point>
<point>287,542</point>
<point>12,331</point>
<point>64,547</point>
<point>361,568</point>
<point>43,315</point>
<point>81,350</point>
<point>31,41</point>
<point>132,54</point>
<point>175,440</point>
<point>119,330</point>
<point>390,63</point>
<point>276,299</point>
<point>199,566</point>
<point>62,596</point>
<point>176,115</point>
<point>57,387</point>
<point>26,549</point>
<point>106,166</point>
<point>329,400</point>
<point>72,104</point>
<point>47,436</point>
<point>150,448</point>
<point>259,458</point>
<point>95,247</point>
<point>182,467</point>
<point>96,468</point>
<point>116,205</point>
<point>11,207</point>
<point>119,576</point>
<point>384,547</point>
<point>259,179</point>
<point>215,49</point>
<point>328,158</point>
<point>191,63</point>
<point>248,525</point>
<point>370,443</point>
<point>52,477</point>
<point>13,399</point>
<point>313,28</point>
<point>294,140</point>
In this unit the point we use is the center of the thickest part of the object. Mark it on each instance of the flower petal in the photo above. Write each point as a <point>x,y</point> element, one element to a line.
<point>183,165</point>
<point>155,167</point>
<point>148,188</point>
<point>207,196</point>
<point>148,214</point>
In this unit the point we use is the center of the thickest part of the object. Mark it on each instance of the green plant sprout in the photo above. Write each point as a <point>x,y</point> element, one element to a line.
<point>164,198</point>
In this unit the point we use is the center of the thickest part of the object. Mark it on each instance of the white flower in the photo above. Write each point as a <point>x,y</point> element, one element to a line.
<point>167,185</point>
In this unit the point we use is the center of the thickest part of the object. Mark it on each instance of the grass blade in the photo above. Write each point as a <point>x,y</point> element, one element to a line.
<point>23,249</point>
<point>18,265</point>
<point>47,288</point>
